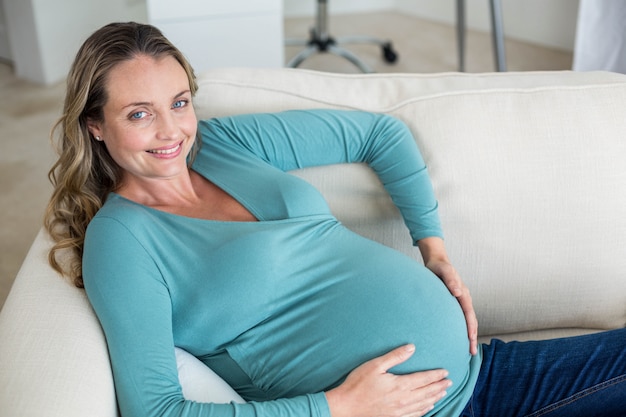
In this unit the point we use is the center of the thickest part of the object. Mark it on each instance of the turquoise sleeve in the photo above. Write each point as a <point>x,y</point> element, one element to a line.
<point>303,138</point>
<point>133,305</point>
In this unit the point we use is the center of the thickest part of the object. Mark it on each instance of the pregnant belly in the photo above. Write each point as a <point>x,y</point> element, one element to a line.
<point>399,301</point>
<point>363,302</point>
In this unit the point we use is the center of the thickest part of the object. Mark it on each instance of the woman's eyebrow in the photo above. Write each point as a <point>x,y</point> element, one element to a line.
<point>148,103</point>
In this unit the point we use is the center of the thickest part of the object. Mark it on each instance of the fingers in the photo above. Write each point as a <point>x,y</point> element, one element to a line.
<point>465,300</point>
<point>431,382</point>
<point>413,381</point>
<point>369,390</point>
<point>471,320</point>
<point>457,288</point>
<point>425,389</point>
<point>395,357</point>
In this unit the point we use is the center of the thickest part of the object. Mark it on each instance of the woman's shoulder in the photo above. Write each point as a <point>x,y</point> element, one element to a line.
<point>120,228</point>
<point>120,208</point>
<point>119,214</point>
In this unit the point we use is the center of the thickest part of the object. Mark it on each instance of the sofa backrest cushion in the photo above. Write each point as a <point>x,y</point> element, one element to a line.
<point>529,170</point>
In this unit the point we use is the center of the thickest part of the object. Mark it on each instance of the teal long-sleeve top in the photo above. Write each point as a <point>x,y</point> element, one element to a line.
<point>285,307</point>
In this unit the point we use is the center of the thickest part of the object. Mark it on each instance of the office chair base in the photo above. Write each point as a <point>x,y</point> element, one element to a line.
<point>321,44</point>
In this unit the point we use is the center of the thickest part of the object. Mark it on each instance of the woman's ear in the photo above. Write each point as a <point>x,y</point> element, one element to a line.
<point>95,129</point>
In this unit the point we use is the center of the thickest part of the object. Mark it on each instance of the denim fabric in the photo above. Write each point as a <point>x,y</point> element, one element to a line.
<point>569,377</point>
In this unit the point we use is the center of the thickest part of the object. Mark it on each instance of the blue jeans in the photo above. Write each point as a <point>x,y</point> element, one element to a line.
<point>569,377</point>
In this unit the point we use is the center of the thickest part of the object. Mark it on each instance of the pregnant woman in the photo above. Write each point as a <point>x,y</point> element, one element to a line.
<point>193,235</point>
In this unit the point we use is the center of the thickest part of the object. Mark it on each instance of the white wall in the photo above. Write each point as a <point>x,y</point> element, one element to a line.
<point>137,10</point>
<point>301,8</point>
<point>550,23</point>
<point>5,52</point>
<point>45,35</point>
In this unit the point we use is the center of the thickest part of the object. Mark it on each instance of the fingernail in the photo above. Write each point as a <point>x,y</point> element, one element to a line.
<point>410,348</point>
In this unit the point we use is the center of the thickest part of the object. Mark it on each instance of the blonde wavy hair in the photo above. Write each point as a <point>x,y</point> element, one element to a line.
<point>85,173</point>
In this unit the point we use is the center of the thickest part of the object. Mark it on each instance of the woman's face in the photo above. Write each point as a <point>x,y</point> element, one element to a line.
<point>149,123</point>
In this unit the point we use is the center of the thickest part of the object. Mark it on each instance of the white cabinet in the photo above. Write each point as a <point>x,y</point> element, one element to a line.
<point>226,33</point>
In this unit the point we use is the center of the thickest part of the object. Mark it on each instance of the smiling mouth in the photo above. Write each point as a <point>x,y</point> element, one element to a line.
<point>165,151</point>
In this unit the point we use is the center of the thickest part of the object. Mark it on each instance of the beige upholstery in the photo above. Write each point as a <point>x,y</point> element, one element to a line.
<point>529,172</point>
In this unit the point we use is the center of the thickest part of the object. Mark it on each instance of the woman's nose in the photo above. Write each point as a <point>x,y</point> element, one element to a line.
<point>167,127</point>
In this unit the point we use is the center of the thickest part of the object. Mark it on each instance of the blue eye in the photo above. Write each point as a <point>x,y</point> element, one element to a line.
<point>180,103</point>
<point>138,115</point>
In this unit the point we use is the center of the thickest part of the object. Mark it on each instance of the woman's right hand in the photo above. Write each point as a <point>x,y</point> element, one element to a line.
<point>370,391</point>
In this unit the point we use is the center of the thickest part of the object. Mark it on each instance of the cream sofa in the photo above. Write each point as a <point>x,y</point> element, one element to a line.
<point>530,173</point>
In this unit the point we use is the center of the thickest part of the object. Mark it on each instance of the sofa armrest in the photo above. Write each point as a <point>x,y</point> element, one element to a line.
<point>53,355</point>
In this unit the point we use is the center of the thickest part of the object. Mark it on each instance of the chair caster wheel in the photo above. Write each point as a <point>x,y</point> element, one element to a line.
<point>389,54</point>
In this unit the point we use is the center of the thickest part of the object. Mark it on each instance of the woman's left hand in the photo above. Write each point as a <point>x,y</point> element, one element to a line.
<point>446,272</point>
<point>436,259</point>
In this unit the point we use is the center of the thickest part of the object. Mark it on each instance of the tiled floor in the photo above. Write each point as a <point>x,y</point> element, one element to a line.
<point>27,111</point>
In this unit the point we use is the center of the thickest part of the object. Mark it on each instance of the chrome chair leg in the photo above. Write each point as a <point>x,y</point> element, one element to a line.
<point>339,51</point>
<point>497,33</point>
<point>460,33</point>
<point>301,56</point>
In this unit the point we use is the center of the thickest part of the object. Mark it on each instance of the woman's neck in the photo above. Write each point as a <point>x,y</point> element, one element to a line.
<point>192,195</point>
